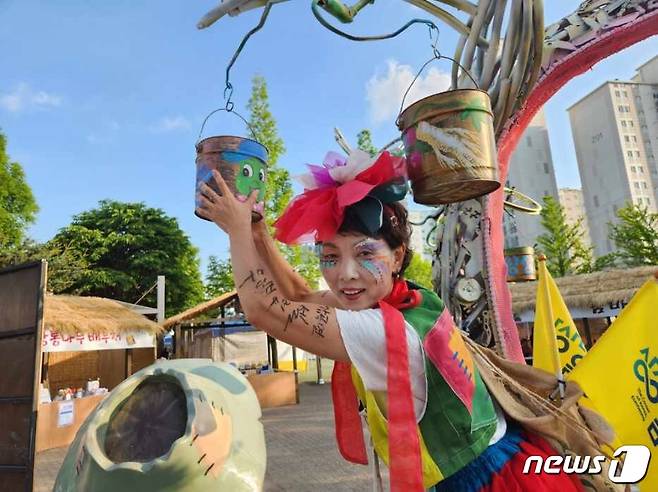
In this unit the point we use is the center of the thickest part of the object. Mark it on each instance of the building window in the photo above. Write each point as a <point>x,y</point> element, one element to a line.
<point>616,93</point>
<point>546,170</point>
<point>596,200</point>
<point>641,169</point>
<point>637,185</point>
<point>633,169</point>
<point>528,141</point>
<point>625,94</point>
<point>631,124</point>
<point>614,209</point>
<point>627,109</point>
<point>634,139</point>
<point>620,109</point>
<point>623,123</point>
<point>637,153</point>
<point>644,185</point>
<point>627,138</point>
<point>629,154</point>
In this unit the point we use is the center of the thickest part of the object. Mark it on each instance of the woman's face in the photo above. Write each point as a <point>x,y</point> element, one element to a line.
<point>359,269</point>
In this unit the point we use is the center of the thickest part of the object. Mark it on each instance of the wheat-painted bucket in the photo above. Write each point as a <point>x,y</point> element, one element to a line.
<point>450,146</point>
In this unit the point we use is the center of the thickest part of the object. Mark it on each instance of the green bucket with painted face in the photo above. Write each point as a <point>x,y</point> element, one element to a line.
<point>242,162</point>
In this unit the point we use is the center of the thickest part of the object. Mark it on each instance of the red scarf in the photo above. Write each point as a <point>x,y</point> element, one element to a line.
<point>404,445</point>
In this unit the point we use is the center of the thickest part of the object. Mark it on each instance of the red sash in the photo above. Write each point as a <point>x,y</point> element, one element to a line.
<point>404,445</point>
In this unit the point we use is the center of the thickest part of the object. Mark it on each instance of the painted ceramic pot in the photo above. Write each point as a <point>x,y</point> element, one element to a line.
<point>242,163</point>
<point>450,147</point>
<point>520,264</point>
<point>183,425</point>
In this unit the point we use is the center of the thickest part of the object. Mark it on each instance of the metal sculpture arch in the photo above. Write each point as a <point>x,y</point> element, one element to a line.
<point>505,47</point>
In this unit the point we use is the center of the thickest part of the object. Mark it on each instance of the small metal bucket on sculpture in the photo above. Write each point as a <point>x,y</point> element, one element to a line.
<point>450,146</point>
<point>520,264</point>
<point>242,162</point>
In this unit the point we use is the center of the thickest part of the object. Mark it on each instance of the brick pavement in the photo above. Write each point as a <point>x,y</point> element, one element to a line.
<point>301,451</point>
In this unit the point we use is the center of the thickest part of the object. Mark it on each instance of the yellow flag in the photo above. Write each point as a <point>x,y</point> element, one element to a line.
<point>557,346</point>
<point>620,375</point>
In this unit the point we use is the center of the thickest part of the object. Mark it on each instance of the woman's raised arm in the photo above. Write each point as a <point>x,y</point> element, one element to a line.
<point>310,326</point>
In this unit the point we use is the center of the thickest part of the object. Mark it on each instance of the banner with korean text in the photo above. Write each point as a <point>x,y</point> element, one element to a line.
<point>54,341</point>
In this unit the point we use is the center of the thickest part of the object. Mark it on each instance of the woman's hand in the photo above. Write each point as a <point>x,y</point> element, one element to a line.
<point>225,210</point>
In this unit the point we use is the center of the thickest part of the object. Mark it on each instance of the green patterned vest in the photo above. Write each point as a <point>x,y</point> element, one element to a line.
<point>459,418</point>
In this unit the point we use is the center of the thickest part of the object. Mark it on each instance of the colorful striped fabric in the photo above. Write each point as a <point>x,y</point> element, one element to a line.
<point>500,468</point>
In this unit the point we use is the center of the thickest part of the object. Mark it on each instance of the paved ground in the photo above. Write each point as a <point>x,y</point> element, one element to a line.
<point>302,454</point>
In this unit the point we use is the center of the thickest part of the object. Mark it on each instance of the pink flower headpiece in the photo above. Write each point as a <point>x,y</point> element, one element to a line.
<point>317,213</point>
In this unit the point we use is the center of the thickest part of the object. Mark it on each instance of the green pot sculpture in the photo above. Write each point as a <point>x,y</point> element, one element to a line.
<point>182,425</point>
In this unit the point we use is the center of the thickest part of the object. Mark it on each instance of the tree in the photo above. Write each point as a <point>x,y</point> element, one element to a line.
<point>635,235</point>
<point>563,243</point>
<point>18,208</point>
<point>262,128</point>
<point>419,272</point>
<point>219,279</point>
<point>279,188</point>
<point>364,142</point>
<point>118,249</point>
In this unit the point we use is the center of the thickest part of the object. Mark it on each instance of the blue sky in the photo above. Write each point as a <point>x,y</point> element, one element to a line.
<point>105,99</point>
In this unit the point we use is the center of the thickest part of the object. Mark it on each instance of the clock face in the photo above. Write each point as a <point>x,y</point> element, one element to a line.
<point>468,290</point>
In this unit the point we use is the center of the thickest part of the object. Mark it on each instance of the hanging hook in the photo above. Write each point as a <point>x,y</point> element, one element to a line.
<point>229,104</point>
<point>435,41</point>
<point>229,86</point>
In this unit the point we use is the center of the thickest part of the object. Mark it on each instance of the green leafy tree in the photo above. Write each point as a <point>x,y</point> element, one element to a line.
<point>635,235</point>
<point>419,272</point>
<point>364,142</point>
<point>563,243</point>
<point>219,279</point>
<point>118,249</point>
<point>18,208</point>
<point>279,187</point>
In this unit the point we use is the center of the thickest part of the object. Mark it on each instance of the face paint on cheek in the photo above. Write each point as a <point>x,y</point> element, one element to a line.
<point>375,267</point>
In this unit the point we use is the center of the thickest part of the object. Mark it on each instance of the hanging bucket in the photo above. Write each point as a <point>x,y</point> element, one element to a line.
<point>450,147</point>
<point>242,162</point>
<point>520,264</point>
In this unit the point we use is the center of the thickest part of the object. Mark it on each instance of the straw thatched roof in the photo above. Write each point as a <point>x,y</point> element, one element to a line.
<point>587,290</point>
<point>198,310</point>
<point>73,314</point>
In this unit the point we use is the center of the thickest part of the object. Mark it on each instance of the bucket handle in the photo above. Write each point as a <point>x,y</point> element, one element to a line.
<point>228,110</point>
<point>436,56</point>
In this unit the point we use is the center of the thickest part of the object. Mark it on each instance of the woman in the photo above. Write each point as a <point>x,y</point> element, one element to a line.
<point>396,348</point>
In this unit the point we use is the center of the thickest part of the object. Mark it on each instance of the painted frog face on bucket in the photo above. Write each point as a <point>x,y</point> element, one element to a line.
<point>251,176</point>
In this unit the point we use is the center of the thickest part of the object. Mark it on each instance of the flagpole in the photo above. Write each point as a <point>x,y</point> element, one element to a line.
<point>543,271</point>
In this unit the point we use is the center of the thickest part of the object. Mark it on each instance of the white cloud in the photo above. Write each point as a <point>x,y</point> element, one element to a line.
<point>24,97</point>
<point>384,92</point>
<point>93,138</point>
<point>170,124</point>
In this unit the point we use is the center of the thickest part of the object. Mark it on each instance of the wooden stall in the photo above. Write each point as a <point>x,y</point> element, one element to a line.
<point>218,330</point>
<point>594,301</point>
<point>87,338</point>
